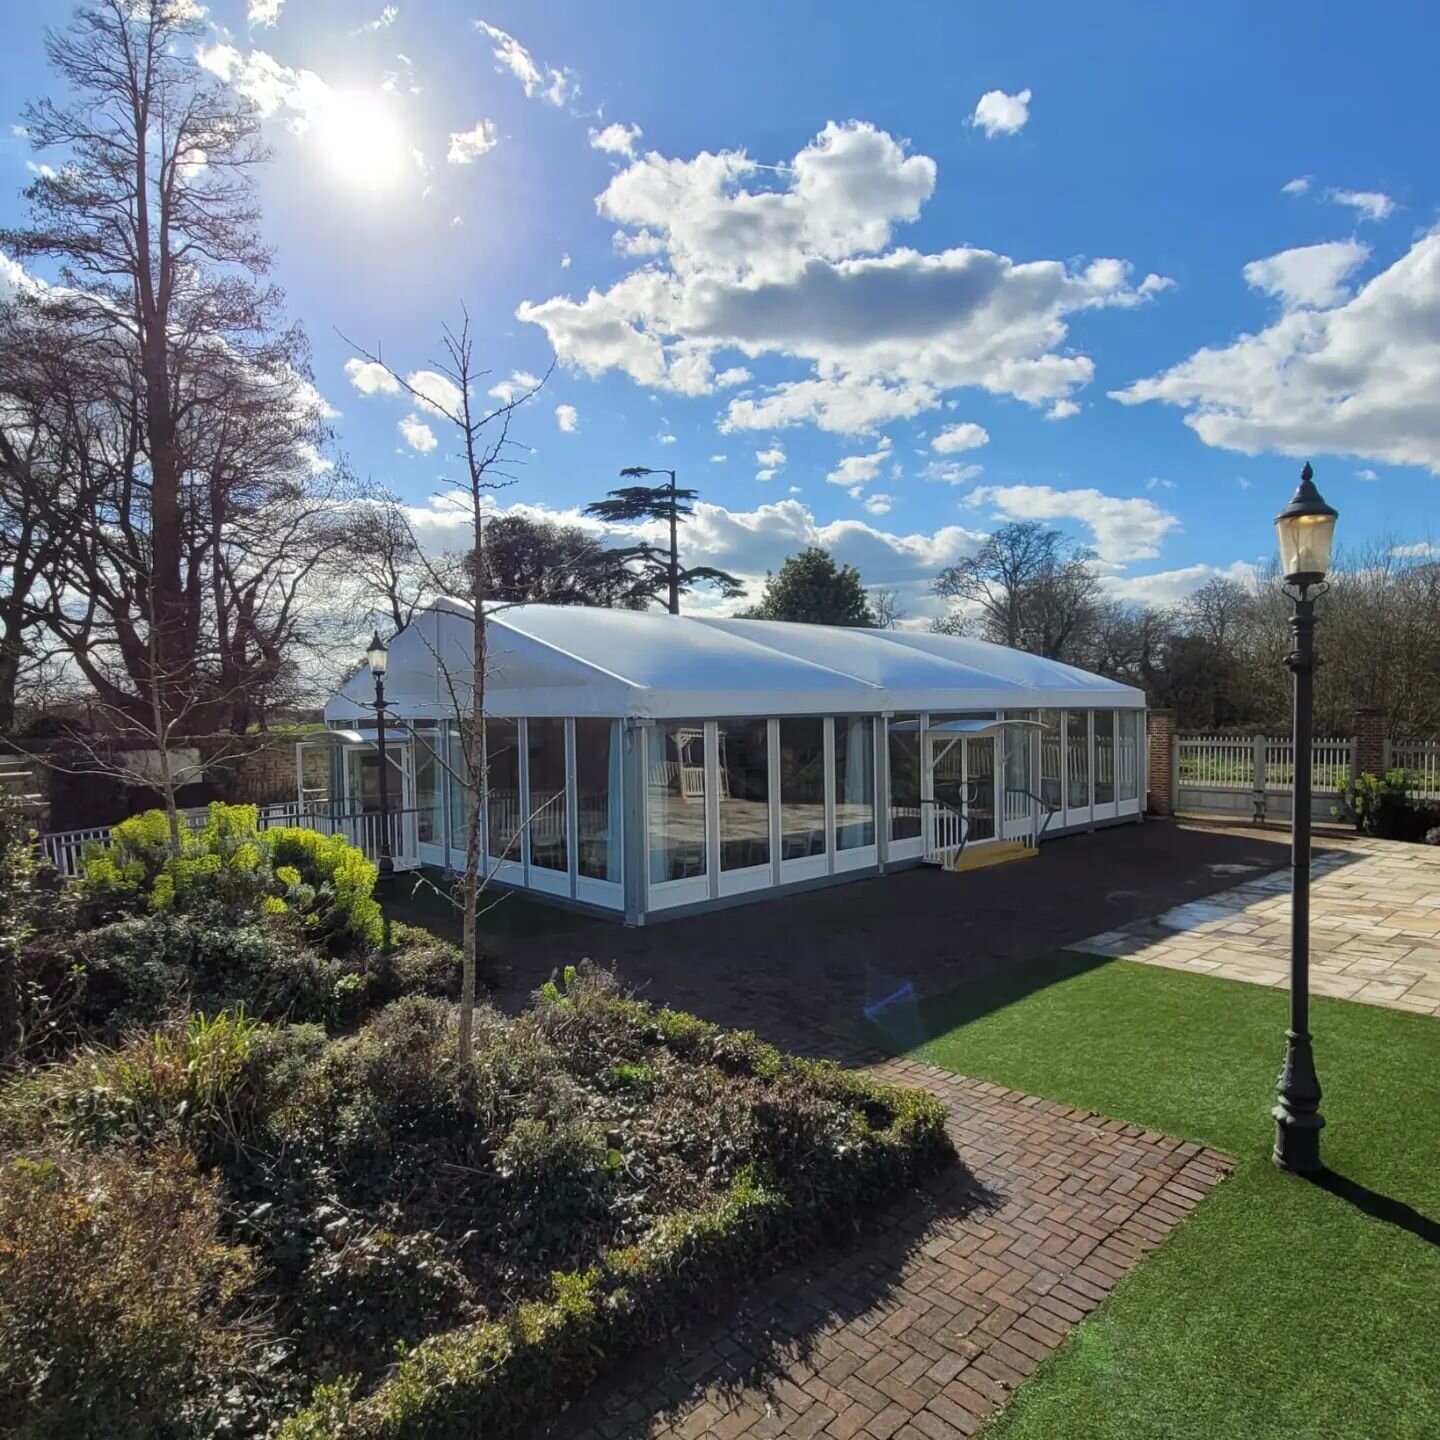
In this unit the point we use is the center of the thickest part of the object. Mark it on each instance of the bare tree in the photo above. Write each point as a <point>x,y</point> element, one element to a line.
<point>1029,587</point>
<point>885,606</point>
<point>487,453</point>
<point>199,416</point>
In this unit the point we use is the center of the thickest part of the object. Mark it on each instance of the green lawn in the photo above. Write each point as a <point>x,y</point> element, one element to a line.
<point>1279,1308</point>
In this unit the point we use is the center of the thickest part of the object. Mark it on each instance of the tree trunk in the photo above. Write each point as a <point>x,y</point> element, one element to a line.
<point>476,770</point>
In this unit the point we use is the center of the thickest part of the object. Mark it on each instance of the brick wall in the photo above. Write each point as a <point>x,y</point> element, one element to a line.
<point>1367,753</point>
<point>1161,778</point>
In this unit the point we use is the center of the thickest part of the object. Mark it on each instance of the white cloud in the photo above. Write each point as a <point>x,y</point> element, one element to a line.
<point>718,459</point>
<point>567,417</point>
<point>877,504</point>
<point>803,268</point>
<point>1166,587</point>
<point>1421,550</point>
<point>417,434</point>
<point>855,470</point>
<point>617,139</point>
<point>1370,204</point>
<point>383,21</point>
<point>666,439</point>
<point>1242,482</point>
<point>521,382</point>
<point>263,12</point>
<point>565,261</point>
<point>468,145</point>
<point>1310,275</point>
<point>435,392</point>
<point>950,473</point>
<point>1062,410</point>
<point>997,113</point>
<point>1366,475</point>
<point>770,462</point>
<point>370,378</point>
<point>954,438</point>
<point>735,375</point>
<point>1121,530</point>
<point>1156,483</point>
<point>542,81</point>
<point>1298,186</point>
<point>269,85</point>
<point>1359,379</point>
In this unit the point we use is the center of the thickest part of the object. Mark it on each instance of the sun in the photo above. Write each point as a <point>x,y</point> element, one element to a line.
<point>361,140</point>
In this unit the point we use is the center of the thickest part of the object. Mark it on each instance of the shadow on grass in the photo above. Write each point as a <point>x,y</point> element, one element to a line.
<point>904,1022</point>
<point>743,1352</point>
<point>1377,1206</point>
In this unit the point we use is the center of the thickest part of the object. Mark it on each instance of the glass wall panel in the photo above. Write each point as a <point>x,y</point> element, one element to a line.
<point>1077,759</point>
<point>429,790</point>
<point>676,790</point>
<point>1018,741</point>
<point>459,796</point>
<point>502,786</point>
<point>1104,757</point>
<point>1050,760</point>
<point>548,832</point>
<point>1127,759</point>
<point>744,794</point>
<point>980,786</point>
<point>904,741</point>
<point>854,781</point>
<point>802,788</point>
<point>597,789</point>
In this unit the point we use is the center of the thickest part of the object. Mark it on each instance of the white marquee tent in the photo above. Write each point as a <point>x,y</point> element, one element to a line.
<point>641,762</point>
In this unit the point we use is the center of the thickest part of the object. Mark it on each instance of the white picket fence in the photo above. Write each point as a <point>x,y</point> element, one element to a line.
<point>1421,760</point>
<point>1233,773</point>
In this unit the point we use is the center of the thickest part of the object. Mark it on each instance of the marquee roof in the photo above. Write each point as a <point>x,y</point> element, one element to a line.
<point>573,660</point>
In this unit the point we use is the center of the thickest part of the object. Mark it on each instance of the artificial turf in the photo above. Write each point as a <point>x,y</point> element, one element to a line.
<point>1281,1307</point>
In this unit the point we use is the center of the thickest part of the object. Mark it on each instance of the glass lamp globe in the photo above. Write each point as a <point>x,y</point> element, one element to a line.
<point>1306,529</point>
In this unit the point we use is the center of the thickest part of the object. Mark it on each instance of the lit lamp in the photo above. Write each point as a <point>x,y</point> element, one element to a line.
<point>1305,529</point>
<point>377,657</point>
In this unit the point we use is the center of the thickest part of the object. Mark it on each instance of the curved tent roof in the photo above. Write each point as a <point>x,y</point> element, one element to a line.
<point>573,660</point>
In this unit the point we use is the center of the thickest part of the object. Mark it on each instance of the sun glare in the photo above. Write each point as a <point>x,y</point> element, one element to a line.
<point>362,142</point>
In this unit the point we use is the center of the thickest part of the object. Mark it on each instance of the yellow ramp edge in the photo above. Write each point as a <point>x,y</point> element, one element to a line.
<point>982,856</point>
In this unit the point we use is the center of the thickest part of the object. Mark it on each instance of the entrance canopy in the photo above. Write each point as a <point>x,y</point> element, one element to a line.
<point>551,660</point>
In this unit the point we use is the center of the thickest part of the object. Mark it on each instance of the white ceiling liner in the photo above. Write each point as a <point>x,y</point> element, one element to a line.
<point>572,660</point>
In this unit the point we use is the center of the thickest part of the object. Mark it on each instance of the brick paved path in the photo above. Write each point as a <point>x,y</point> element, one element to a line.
<point>921,1327</point>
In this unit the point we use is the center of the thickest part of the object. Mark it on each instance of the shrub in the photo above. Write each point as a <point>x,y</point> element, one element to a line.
<point>1385,808</point>
<point>119,1301</point>
<point>230,868</point>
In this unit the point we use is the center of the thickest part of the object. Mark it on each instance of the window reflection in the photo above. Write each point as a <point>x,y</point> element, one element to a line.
<point>597,790</point>
<point>854,781</point>
<point>1077,759</point>
<point>549,848</point>
<point>802,787</point>
<point>676,800</point>
<point>904,742</point>
<point>502,776</point>
<point>744,794</point>
<point>1104,757</point>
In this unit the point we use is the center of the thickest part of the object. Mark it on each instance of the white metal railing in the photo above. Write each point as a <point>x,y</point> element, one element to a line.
<point>945,830</point>
<point>64,849</point>
<point>1330,763</point>
<point>1420,759</point>
<point>1217,762</point>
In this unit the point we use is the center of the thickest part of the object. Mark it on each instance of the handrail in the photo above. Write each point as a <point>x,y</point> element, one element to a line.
<point>1040,800</point>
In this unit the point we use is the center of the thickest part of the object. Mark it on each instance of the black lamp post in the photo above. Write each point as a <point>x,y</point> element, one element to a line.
<point>378,657</point>
<point>1306,528</point>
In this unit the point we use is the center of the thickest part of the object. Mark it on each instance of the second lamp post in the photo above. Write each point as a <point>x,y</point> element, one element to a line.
<point>1306,528</point>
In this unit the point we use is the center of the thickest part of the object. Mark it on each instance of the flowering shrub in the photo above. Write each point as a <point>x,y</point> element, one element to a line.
<point>231,867</point>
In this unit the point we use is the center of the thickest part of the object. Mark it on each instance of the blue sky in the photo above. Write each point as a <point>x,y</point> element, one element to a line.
<point>906,269</point>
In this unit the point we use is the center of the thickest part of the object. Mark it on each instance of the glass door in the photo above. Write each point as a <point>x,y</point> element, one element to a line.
<point>980,792</point>
<point>361,820</point>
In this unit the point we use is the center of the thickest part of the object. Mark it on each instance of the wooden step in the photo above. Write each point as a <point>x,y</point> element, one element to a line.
<point>980,857</point>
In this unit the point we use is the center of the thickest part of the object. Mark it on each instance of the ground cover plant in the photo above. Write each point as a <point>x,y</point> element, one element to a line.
<point>1282,1307</point>
<point>233,1222</point>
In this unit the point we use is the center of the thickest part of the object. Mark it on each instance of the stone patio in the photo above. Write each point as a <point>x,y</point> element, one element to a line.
<point>922,1326</point>
<point>1374,931</point>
